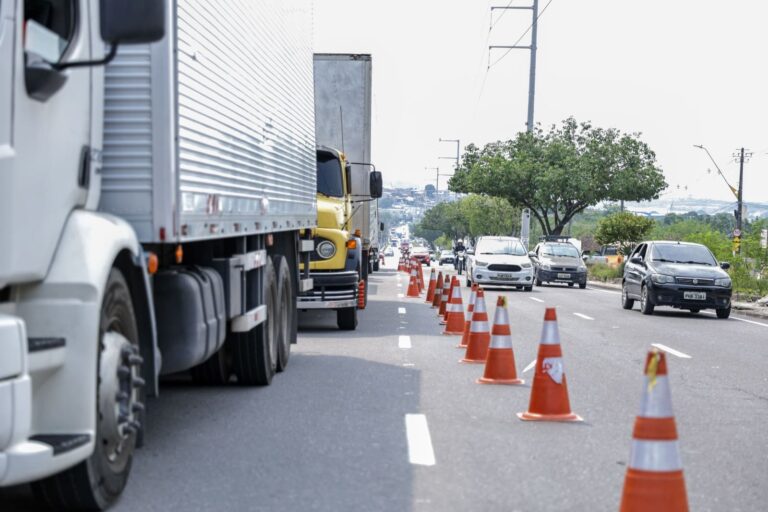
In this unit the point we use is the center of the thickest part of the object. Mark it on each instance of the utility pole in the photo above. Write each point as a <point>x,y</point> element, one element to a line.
<point>532,47</point>
<point>741,156</point>
<point>437,177</point>
<point>458,148</point>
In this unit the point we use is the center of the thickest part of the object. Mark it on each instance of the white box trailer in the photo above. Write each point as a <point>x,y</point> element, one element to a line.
<point>153,216</point>
<point>343,103</point>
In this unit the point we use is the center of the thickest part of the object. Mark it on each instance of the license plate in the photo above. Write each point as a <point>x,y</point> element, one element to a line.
<point>506,276</point>
<point>695,295</point>
<point>563,276</point>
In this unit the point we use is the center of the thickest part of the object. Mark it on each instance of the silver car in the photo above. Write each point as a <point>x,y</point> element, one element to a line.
<point>500,261</point>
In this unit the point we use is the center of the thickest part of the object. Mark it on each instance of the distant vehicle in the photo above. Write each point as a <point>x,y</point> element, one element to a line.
<point>446,258</point>
<point>420,253</point>
<point>500,261</point>
<point>677,274</point>
<point>431,255</point>
<point>460,261</point>
<point>558,262</point>
<point>389,251</point>
<point>608,255</point>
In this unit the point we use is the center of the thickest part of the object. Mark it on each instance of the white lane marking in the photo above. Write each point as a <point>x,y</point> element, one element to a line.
<point>401,311</point>
<point>739,319</point>
<point>528,368</point>
<point>671,350</point>
<point>604,291</point>
<point>399,285</point>
<point>400,295</point>
<point>408,365</point>
<point>404,342</point>
<point>534,298</point>
<point>585,317</point>
<point>419,441</point>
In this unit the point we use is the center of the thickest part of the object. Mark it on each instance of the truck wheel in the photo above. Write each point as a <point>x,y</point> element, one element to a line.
<point>346,319</point>
<point>286,304</point>
<point>97,482</point>
<point>254,353</point>
<point>215,370</point>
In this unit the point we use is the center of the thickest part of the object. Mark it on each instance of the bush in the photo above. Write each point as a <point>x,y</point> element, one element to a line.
<point>603,272</point>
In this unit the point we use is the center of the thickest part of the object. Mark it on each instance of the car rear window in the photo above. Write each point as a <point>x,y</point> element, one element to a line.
<point>682,253</point>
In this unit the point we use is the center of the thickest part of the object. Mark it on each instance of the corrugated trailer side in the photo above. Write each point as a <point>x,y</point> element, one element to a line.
<point>210,133</point>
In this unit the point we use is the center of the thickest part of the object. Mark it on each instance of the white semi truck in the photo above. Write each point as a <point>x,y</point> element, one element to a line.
<point>343,103</point>
<point>154,213</point>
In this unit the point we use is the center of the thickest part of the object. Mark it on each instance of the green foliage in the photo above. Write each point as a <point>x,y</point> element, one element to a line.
<point>624,229</point>
<point>559,173</point>
<point>446,218</point>
<point>472,216</point>
<point>603,272</point>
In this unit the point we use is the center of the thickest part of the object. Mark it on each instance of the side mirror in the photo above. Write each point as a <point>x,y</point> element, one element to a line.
<point>42,78</point>
<point>637,260</point>
<point>132,21</point>
<point>531,254</point>
<point>376,184</point>
<point>471,252</point>
<point>381,226</point>
<point>584,257</point>
<point>725,265</point>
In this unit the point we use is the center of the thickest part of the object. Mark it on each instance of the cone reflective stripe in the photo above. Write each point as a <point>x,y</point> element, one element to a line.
<point>444,297</point>
<point>413,287</point>
<point>479,333</point>
<point>438,297</point>
<point>468,319</point>
<point>361,294</point>
<point>455,311</point>
<point>447,299</point>
<point>549,392</point>
<point>654,479</point>
<point>431,287</point>
<point>500,363</point>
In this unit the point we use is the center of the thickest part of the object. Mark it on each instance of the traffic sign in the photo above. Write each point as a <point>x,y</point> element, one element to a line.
<point>736,233</point>
<point>764,238</point>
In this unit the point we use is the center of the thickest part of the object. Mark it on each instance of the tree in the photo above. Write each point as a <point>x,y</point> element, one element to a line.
<point>624,229</point>
<point>490,215</point>
<point>446,218</point>
<point>560,173</point>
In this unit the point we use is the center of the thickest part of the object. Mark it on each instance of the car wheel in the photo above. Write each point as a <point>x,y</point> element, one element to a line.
<point>528,288</point>
<point>694,310</point>
<point>582,285</point>
<point>538,281</point>
<point>518,287</point>
<point>646,307</point>
<point>723,313</point>
<point>626,302</point>
<point>469,280</point>
<point>570,285</point>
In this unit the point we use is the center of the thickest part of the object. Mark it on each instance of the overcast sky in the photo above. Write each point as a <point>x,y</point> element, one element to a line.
<point>682,72</point>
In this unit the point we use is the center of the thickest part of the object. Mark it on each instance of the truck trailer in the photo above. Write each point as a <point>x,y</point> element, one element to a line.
<point>156,203</point>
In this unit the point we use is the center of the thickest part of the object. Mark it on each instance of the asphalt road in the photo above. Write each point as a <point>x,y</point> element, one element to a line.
<point>331,434</point>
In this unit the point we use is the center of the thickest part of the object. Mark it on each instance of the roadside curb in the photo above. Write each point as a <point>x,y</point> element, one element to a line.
<point>743,308</point>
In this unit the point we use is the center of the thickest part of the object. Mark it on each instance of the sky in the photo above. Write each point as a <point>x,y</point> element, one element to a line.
<point>680,72</point>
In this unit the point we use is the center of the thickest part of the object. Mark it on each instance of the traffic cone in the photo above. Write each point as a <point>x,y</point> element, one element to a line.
<point>413,286</point>
<point>500,363</point>
<point>654,479</point>
<point>438,295</point>
<point>468,319</point>
<point>444,297</point>
<point>419,275</point>
<point>479,334</point>
<point>447,300</point>
<point>431,287</point>
<point>549,392</point>
<point>455,311</point>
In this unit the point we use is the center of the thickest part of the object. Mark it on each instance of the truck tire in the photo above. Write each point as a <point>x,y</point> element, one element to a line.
<point>346,319</point>
<point>214,371</point>
<point>97,482</point>
<point>254,353</point>
<point>286,305</point>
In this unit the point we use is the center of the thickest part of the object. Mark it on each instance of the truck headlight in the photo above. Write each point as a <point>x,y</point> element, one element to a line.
<point>724,282</point>
<point>326,249</point>
<point>662,279</point>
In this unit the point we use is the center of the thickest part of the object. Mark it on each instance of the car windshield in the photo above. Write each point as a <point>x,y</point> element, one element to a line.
<point>682,253</point>
<point>560,251</point>
<point>510,247</point>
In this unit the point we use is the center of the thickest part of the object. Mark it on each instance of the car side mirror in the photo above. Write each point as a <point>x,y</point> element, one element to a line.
<point>132,21</point>
<point>376,184</point>
<point>584,257</point>
<point>471,252</point>
<point>381,226</point>
<point>532,254</point>
<point>636,260</point>
<point>725,265</point>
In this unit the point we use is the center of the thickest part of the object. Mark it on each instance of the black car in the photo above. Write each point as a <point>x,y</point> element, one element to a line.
<point>677,274</point>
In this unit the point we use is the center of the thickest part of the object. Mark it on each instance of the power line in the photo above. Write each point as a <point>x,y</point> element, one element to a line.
<point>490,65</point>
<point>503,12</point>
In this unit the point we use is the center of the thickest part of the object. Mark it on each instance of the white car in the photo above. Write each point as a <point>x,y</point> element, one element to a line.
<point>500,261</point>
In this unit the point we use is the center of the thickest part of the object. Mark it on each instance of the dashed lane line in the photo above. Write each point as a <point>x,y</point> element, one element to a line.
<point>420,451</point>
<point>531,365</point>
<point>670,350</point>
<point>535,299</point>
<point>585,317</point>
<point>404,341</point>
<point>401,311</point>
<point>400,295</point>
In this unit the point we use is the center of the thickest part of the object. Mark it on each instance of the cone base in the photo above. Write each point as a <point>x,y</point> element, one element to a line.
<point>532,416</point>
<point>472,361</point>
<point>452,333</point>
<point>508,382</point>
<point>443,322</point>
<point>662,491</point>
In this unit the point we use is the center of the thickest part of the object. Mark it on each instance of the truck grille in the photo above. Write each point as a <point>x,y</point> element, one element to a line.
<point>695,281</point>
<point>504,268</point>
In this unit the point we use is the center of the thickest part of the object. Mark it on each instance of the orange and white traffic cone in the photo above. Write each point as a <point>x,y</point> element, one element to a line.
<point>444,297</point>
<point>455,311</point>
<point>438,295</point>
<point>654,479</point>
<point>413,286</point>
<point>479,333</point>
<point>431,287</point>
<point>549,392</point>
<point>468,319</point>
<point>419,274</point>
<point>500,363</point>
<point>453,284</point>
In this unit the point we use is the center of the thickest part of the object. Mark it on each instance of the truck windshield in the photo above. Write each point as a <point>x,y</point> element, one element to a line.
<point>511,247</point>
<point>682,253</point>
<point>329,181</point>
